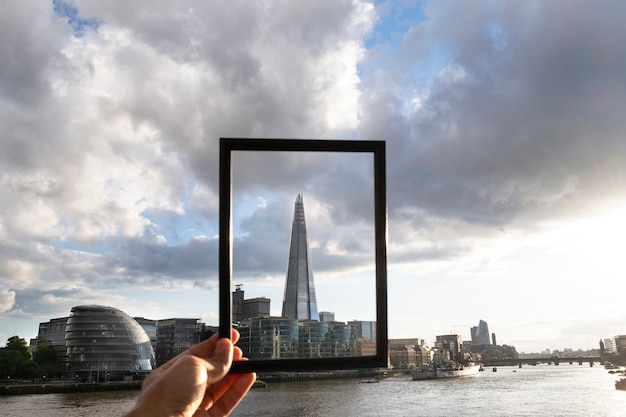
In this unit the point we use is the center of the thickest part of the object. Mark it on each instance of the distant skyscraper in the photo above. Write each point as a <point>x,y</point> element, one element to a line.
<point>299,301</point>
<point>364,329</point>
<point>480,334</point>
<point>327,316</point>
<point>237,308</point>
<point>473,332</point>
<point>256,307</point>
<point>245,309</point>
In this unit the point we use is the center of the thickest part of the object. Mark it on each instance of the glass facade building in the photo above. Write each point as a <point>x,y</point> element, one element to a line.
<point>54,332</point>
<point>149,326</point>
<point>280,338</point>
<point>104,343</point>
<point>299,301</point>
<point>365,329</point>
<point>480,334</point>
<point>270,338</point>
<point>327,340</point>
<point>176,335</point>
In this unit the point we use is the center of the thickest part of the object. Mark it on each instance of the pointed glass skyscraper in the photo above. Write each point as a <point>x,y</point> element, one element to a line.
<point>299,301</point>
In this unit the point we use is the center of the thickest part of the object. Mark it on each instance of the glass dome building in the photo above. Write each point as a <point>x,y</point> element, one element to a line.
<point>105,344</point>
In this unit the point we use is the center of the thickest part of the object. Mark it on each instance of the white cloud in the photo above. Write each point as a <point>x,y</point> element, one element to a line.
<point>7,300</point>
<point>49,299</point>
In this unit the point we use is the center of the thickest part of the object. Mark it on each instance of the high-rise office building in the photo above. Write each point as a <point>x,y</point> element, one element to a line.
<point>299,301</point>
<point>248,309</point>
<point>237,304</point>
<point>480,334</point>
<point>174,336</point>
<point>255,308</point>
<point>364,329</point>
<point>327,316</point>
<point>53,331</point>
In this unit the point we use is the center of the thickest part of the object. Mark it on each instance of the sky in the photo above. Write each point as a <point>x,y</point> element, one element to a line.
<point>505,131</point>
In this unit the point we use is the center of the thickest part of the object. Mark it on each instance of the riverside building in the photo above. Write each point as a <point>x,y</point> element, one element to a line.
<point>52,331</point>
<point>104,343</point>
<point>281,338</point>
<point>98,343</point>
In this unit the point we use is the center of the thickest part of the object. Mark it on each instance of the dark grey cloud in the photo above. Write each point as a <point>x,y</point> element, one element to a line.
<point>26,50</point>
<point>263,246</point>
<point>153,260</point>
<point>525,118</point>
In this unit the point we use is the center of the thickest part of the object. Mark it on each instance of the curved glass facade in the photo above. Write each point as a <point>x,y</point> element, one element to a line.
<point>104,343</point>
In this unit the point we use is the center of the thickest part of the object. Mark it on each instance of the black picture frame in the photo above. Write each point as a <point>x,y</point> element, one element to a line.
<point>377,149</point>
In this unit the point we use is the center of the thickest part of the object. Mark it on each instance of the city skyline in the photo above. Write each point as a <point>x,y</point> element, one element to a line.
<point>369,332</point>
<point>505,156</point>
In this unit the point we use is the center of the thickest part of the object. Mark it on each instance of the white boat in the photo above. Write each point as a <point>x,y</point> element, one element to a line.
<point>448,370</point>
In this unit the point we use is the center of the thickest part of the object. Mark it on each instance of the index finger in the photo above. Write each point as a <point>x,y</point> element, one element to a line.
<point>206,349</point>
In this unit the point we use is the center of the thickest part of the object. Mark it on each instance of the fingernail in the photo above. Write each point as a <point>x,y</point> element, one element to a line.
<point>223,346</point>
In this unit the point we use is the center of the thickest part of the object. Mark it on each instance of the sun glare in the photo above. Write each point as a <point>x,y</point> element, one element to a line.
<point>599,240</point>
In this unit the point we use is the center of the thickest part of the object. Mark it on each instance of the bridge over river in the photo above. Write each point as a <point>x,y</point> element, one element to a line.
<point>591,360</point>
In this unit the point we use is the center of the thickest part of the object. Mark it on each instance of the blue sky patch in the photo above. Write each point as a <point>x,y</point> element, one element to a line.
<point>78,24</point>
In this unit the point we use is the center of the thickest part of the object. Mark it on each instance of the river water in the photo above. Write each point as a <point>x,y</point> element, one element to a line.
<point>544,390</point>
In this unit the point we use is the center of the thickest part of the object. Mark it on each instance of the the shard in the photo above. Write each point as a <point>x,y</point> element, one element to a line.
<point>299,300</point>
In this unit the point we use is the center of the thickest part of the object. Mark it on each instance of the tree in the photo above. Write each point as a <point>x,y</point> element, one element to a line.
<point>10,361</point>
<point>16,360</point>
<point>45,357</point>
<point>19,345</point>
<point>45,354</point>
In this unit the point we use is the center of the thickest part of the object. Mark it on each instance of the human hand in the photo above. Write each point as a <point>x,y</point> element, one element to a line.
<point>195,383</point>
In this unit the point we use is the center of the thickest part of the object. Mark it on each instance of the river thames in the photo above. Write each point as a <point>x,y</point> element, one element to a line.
<point>544,390</point>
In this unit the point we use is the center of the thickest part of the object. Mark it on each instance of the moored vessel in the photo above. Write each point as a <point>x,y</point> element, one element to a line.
<point>447,370</point>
